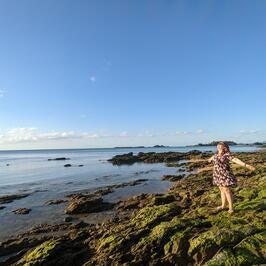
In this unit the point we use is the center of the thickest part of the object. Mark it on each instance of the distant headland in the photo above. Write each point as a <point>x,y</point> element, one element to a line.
<point>155,146</point>
<point>230,143</point>
<point>213,143</point>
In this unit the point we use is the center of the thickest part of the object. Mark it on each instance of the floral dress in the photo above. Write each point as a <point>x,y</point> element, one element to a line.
<point>222,173</point>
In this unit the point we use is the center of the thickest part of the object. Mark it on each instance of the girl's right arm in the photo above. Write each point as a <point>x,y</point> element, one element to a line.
<point>211,159</point>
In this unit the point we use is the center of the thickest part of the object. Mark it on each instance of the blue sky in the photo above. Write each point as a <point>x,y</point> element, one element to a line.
<point>120,73</point>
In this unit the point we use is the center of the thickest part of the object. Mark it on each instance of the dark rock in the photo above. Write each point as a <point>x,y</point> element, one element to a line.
<point>67,165</point>
<point>134,202</point>
<point>68,219</point>
<point>186,201</point>
<point>173,178</point>
<point>59,159</point>
<point>52,202</point>
<point>80,224</point>
<point>127,158</point>
<point>161,199</point>
<point>14,245</point>
<point>10,198</point>
<point>152,157</point>
<point>198,192</point>
<point>87,204</point>
<point>22,211</point>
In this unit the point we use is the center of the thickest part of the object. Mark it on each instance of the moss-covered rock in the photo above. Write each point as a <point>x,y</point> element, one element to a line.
<point>251,250</point>
<point>248,193</point>
<point>138,225</point>
<point>223,258</point>
<point>204,246</point>
<point>40,254</point>
<point>257,204</point>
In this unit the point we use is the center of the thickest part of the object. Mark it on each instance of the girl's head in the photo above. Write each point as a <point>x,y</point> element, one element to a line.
<point>223,148</point>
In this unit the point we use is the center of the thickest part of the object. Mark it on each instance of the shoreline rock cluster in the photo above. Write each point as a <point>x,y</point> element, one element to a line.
<point>180,227</point>
<point>154,157</point>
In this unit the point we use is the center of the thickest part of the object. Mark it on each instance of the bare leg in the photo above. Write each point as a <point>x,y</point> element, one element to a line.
<point>229,196</point>
<point>223,198</point>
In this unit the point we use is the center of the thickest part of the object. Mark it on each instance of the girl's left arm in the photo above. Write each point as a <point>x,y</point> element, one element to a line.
<point>239,162</point>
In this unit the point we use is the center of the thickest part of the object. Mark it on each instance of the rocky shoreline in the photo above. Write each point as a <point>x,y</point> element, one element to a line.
<point>180,227</point>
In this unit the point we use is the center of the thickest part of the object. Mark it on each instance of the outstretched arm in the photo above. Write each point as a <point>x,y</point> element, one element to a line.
<point>241,163</point>
<point>203,160</point>
<point>211,159</point>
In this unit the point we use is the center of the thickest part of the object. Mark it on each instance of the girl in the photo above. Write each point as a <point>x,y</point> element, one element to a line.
<point>222,173</point>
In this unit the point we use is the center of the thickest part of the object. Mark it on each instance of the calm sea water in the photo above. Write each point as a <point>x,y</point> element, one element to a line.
<point>30,171</point>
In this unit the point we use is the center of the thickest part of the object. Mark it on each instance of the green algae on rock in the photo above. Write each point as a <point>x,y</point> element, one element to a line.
<point>40,254</point>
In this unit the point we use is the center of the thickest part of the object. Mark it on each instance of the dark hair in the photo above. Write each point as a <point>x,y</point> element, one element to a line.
<point>225,147</point>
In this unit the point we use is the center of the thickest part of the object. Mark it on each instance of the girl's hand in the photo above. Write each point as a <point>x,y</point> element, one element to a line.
<point>210,159</point>
<point>250,167</point>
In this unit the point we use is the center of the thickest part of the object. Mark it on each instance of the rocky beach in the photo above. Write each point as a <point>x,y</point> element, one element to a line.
<point>179,227</point>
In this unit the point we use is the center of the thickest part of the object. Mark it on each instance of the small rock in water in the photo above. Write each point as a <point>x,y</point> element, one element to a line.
<point>67,165</point>
<point>51,202</point>
<point>9,198</point>
<point>22,211</point>
<point>68,219</point>
<point>59,159</point>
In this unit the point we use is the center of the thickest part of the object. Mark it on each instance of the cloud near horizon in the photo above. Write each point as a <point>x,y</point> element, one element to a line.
<point>34,135</point>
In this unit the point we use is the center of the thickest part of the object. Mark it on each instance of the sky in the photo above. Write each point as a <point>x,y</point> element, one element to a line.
<point>85,74</point>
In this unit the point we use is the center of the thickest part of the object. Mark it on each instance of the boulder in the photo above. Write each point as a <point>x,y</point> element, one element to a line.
<point>87,204</point>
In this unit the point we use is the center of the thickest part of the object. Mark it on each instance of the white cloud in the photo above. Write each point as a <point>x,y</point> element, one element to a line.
<point>249,131</point>
<point>32,134</point>
<point>92,78</point>
<point>30,137</point>
<point>200,131</point>
<point>146,133</point>
<point>2,93</point>
<point>123,134</point>
<point>182,133</point>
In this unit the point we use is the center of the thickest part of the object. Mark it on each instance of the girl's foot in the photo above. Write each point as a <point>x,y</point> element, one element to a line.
<point>220,208</point>
<point>230,211</point>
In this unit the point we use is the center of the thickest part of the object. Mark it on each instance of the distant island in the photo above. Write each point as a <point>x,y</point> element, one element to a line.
<point>160,146</point>
<point>230,143</point>
<point>213,143</point>
<point>129,147</point>
<point>155,146</point>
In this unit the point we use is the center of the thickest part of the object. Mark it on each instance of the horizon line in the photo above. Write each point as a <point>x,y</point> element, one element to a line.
<point>131,147</point>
